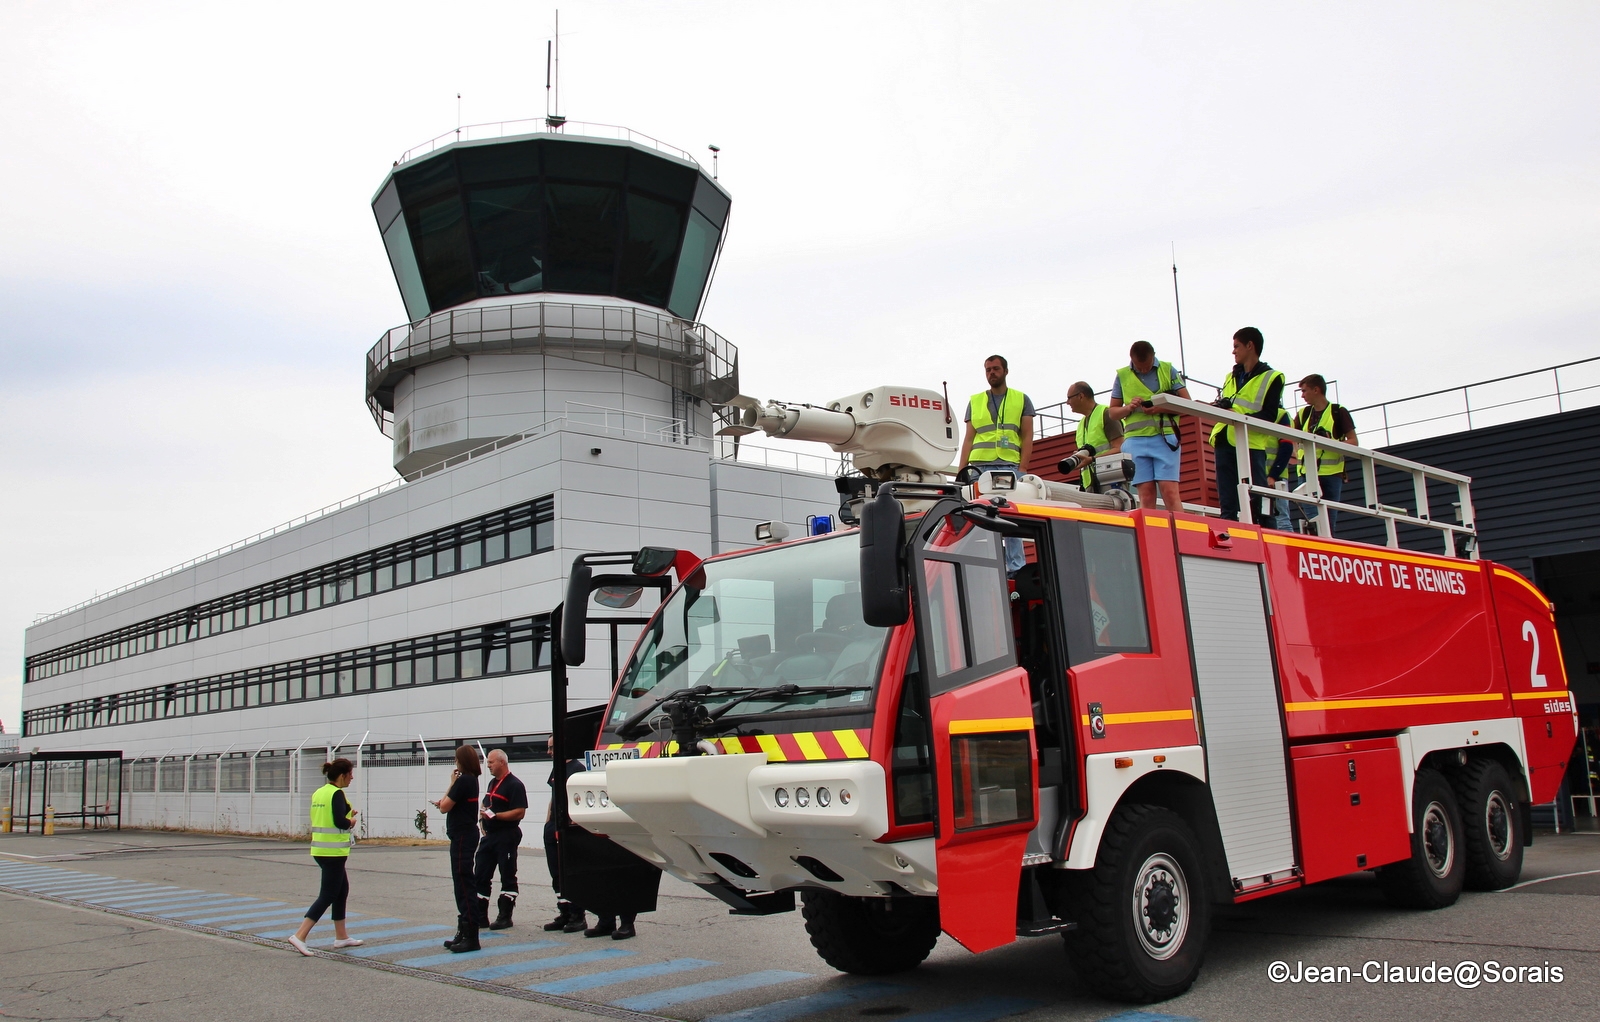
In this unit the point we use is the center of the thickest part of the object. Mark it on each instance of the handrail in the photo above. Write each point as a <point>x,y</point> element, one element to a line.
<point>1467,409</point>
<point>539,126</point>
<point>1420,475</point>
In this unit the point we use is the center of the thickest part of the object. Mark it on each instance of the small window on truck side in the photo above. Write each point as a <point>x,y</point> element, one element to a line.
<point>1103,610</point>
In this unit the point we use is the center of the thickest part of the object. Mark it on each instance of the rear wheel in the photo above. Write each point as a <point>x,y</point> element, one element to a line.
<point>870,936</point>
<point>1142,911</point>
<point>1491,824</point>
<point>1433,876</point>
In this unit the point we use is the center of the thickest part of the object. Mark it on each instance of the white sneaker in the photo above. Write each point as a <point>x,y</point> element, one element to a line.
<point>299,945</point>
<point>349,942</point>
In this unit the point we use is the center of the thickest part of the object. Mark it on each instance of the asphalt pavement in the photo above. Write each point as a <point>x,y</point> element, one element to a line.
<point>148,925</point>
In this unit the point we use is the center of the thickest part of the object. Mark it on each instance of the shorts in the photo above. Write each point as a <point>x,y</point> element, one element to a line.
<point>1153,460</point>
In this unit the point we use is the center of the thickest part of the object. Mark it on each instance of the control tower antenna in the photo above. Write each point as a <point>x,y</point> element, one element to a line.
<point>552,77</point>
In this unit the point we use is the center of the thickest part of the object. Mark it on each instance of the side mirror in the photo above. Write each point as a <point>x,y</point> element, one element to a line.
<point>968,475</point>
<point>884,599</point>
<point>574,636</point>
<point>653,560</point>
<point>618,597</point>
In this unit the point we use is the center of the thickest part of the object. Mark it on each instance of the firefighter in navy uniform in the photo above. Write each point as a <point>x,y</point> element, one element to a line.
<point>569,917</point>
<point>504,804</point>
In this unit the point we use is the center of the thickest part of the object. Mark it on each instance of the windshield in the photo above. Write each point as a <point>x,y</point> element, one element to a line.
<point>784,616</point>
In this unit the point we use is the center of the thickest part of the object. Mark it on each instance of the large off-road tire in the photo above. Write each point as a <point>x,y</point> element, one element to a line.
<point>1491,825</point>
<point>870,936</point>
<point>1142,912</point>
<point>1433,876</point>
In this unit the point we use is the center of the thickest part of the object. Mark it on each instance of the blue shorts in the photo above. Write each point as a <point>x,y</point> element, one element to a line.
<point>1153,460</point>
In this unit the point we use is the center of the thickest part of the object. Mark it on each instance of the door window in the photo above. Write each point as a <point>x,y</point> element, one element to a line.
<point>993,779</point>
<point>965,614</point>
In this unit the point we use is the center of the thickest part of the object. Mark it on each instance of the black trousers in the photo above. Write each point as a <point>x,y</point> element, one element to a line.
<point>552,855</point>
<point>335,888</point>
<point>1227,462</point>
<point>463,847</point>
<point>498,848</point>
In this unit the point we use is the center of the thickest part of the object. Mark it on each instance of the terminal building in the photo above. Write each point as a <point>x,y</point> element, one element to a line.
<point>553,393</point>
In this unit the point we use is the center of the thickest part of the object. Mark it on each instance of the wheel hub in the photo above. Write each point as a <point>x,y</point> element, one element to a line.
<point>1161,906</point>
<point>1438,844</point>
<point>1497,825</point>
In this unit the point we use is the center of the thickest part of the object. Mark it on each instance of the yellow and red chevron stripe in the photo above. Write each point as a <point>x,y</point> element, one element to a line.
<point>799,747</point>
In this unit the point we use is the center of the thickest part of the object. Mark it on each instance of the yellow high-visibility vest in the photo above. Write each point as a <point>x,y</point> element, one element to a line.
<point>997,441</point>
<point>1092,433</point>
<point>1141,422</point>
<point>1328,462</point>
<point>1248,399</point>
<point>326,838</point>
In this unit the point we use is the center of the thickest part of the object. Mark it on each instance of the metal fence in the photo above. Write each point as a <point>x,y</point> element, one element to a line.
<point>540,126</point>
<point>1548,391</point>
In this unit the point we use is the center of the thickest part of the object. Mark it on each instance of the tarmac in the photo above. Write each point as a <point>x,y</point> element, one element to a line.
<point>150,925</point>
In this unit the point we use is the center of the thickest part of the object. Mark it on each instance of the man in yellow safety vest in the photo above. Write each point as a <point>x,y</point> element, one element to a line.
<point>999,434</point>
<point>1096,430</point>
<point>1324,418</point>
<point>1255,389</point>
<point>1149,438</point>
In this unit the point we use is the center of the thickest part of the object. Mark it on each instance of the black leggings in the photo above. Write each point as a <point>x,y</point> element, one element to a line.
<point>462,849</point>
<point>335,888</point>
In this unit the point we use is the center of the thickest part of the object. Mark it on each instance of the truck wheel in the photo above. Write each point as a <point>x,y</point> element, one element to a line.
<point>870,936</point>
<point>1142,911</point>
<point>1433,876</point>
<point>1491,825</point>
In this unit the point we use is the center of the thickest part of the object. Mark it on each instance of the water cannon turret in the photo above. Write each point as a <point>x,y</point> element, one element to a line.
<point>905,434</point>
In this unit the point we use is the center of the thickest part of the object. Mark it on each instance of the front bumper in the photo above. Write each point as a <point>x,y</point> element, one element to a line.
<point>708,819</point>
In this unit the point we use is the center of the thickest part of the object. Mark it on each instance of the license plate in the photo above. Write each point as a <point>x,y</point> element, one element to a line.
<point>594,759</point>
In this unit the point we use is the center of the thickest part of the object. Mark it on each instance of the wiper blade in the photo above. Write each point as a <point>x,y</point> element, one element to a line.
<point>629,727</point>
<point>787,692</point>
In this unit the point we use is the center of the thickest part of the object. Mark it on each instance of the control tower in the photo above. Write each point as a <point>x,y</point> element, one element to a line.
<point>555,271</point>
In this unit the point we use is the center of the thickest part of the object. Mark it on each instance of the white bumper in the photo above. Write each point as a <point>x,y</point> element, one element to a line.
<point>717,818</point>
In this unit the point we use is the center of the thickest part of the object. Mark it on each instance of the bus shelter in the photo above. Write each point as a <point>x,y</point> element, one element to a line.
<point>85,787</point>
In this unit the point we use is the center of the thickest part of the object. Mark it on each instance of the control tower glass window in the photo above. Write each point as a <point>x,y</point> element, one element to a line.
<point>574,216</point>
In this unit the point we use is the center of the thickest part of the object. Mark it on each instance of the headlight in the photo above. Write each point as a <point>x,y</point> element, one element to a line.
<point>823,798</point>
<point>802,797</point>
<point>605,799</point>
<point>781,796</point>
<point>844,796</point>
<point>588,799</point>
<point>577,799</point>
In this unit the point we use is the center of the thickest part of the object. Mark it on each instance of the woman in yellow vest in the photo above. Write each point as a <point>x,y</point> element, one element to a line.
<point>332,819</point>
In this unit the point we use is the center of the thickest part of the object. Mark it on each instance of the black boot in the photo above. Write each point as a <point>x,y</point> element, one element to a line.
<point>503,920</point>
<point>564,910</point>
<point>626,930</point>
<point>469,937</point>
<point>604,926</point>
<point>461,928</point>
<point>482,918</point>
<point>576,922</point>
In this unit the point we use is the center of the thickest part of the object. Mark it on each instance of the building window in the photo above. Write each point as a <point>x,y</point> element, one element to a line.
<point>519,531</point>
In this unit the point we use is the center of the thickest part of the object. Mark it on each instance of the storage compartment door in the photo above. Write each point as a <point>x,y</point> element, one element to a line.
<point>983,744</point>
<point>1242,718</point>
<point>1351,802</point>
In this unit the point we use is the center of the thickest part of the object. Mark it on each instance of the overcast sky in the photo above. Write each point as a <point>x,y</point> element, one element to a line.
<point>1402,197</point>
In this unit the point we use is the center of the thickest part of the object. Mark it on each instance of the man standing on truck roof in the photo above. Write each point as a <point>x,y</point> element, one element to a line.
<point>999,435</point>
<point>1324,418</point>
<point>1255,389</point>
<point>1096,429</point>
<point>1151,439</point>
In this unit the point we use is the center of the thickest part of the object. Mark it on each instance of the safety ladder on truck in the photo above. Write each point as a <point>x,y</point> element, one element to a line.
<point>1460,537</point>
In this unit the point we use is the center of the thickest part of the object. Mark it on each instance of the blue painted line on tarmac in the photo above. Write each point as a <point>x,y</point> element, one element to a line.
<point>324,921</point>
<point>380,934</point>
<point>288,915</point>
<point>28,872</point>
<point>812,1004</point>
<point>710,988</point>
<point>976,1011</point>
<point>256,916</point>
<point>67,887</point>
<point>410,945</point>
<point>1148,1016</point>
<point>541,964</point>
<point>148,896</point>
<point>614,976</point>
<point>231,905</point>
<point>114,897</point>
<point>69,879</point>
<point>204,903</point>
<point>468,956</point>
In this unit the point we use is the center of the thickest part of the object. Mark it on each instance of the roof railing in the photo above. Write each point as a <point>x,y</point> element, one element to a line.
<point>1456,535</point>
<point>1436,411</point>
<point>540,126</point>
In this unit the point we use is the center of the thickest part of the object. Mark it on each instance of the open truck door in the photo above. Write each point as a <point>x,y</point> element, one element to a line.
<point>982,717</point>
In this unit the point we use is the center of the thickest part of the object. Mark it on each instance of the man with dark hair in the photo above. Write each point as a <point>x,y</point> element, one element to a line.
<point>1150,439</point>
<point>1324,418</point>
<point>1255,389</point>
<point>999,435</point>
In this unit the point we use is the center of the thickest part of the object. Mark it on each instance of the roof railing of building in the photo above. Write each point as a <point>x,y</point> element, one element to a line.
<point>1485,403</point>
<point>540,126</point>
<point>592,419</point>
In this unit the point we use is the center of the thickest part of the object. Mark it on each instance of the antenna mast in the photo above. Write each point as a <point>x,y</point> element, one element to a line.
<point>552,77</point>
<point>1183,362</point>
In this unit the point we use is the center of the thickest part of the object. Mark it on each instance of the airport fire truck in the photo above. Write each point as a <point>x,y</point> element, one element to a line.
<point>1160,711</point>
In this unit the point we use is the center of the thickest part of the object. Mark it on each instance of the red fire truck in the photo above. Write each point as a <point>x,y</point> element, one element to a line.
<point>1157,713</point>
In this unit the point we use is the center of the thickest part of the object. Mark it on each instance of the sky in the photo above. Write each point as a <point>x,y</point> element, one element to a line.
<point>1400,196</point>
